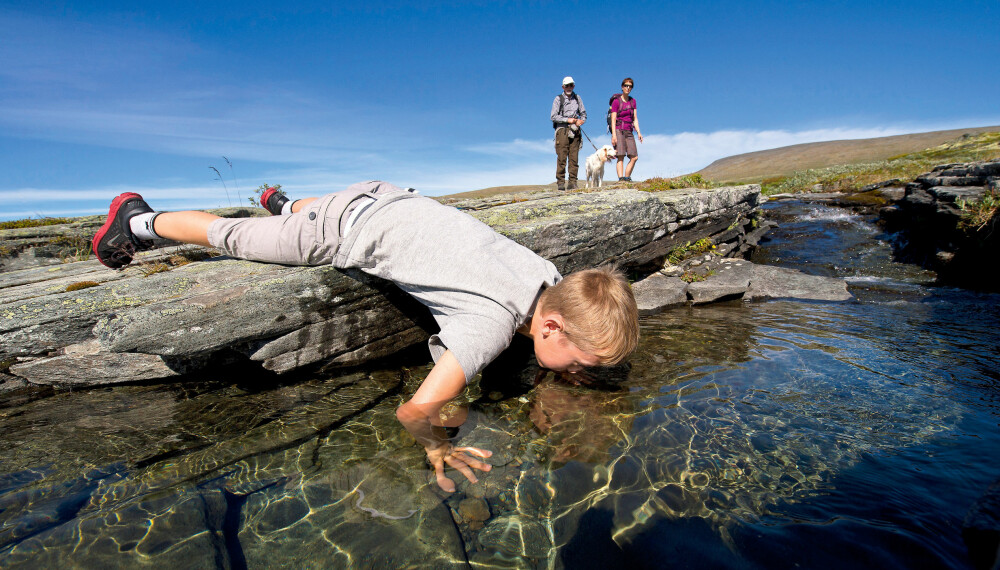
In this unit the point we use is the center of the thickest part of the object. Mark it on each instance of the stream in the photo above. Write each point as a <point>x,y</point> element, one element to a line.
<point>778,434</point>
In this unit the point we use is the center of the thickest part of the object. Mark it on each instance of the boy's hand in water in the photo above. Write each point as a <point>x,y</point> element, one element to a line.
<point>460,458</point>
<point>428,410</point>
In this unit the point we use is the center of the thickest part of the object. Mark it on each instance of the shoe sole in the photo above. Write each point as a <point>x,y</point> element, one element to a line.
<point>116,205</point>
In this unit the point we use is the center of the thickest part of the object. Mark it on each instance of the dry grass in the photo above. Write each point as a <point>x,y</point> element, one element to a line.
<point>72,248</point>
<point>687,181</point>
<point>783,162</point>
<point>81,285</point>
<point>152,268</point>
<point>181,258</point>
<point>32,223</point>
<point>493,191</point>
<point>977,215</point>
<point>693,277</point>
<point>185,256</point>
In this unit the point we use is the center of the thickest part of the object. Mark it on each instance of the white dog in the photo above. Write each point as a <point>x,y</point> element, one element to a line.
<point>595,164</point>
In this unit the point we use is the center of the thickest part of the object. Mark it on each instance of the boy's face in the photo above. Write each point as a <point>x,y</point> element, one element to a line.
<point>555,352</point>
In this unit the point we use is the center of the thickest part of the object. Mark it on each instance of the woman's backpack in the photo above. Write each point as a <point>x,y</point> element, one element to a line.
<point>611,102</point>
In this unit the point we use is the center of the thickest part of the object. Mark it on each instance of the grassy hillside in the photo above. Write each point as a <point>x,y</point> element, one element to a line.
<point>905,167</point>
<point>783,162</point>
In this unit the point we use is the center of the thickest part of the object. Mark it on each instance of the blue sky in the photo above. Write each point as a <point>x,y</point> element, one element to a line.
<point>97,98</point>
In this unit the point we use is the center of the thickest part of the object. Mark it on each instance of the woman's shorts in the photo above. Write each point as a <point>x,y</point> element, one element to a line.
<point>626,144</point>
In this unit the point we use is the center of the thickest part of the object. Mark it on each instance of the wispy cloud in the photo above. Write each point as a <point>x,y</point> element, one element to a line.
<point>141,89</point>
<point>516,147</point>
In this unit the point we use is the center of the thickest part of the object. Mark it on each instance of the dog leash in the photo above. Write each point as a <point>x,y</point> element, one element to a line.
<point>588,139</point>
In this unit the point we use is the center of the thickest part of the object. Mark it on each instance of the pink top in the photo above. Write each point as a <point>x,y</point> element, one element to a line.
<point>625,113</point>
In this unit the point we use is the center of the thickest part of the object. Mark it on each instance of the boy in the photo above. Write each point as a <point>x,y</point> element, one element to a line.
<point>480,286</point>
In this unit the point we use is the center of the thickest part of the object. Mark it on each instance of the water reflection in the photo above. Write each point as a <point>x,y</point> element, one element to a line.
<point>579,423</point>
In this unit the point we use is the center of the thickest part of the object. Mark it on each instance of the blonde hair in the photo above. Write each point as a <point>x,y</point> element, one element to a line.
<point>598,310</point>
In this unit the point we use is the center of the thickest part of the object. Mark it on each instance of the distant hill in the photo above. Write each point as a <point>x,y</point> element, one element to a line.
<point>494,190</point>
<point>779,162</point>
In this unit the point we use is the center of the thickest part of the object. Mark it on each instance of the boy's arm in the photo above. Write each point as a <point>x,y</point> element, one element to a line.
<point>444,382</point>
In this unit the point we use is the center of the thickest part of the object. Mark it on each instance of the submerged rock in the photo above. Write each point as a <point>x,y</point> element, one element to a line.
<point>516,536</point>
<point>373,514</point>
<point>474,509</point>
<point>181,530</point>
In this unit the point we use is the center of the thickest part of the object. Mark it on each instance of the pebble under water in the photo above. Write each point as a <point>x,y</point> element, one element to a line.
<point>777,434</point>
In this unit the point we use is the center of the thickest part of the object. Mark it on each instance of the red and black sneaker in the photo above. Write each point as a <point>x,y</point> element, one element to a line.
<point>114,245</point>
<point>272,200</point>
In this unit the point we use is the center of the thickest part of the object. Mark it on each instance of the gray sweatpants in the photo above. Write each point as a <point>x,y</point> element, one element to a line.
<point>309,237</point>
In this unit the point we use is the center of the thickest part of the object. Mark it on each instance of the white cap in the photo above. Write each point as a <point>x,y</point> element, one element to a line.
<point>567,80</point>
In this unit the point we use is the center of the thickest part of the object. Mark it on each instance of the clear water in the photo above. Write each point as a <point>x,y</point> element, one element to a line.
<point>778,434</point>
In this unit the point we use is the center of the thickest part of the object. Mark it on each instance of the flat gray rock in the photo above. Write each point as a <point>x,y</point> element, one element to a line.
<point>95,369</point>
<point>731,279</point>
<point>767,282</point>
<point>728,281</point>
<point>658,292</point>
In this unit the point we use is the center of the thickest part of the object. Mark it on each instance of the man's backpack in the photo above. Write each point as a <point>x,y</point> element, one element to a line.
<point>562,103</point>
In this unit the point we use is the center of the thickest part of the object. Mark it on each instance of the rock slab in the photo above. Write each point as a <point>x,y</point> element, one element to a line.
<point>145,322</point>
<point>930,218</point>
<point>733,279</point>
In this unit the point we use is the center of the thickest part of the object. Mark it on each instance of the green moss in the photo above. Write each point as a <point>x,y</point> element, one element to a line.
<point>500,218</point>
<point>689,250</point>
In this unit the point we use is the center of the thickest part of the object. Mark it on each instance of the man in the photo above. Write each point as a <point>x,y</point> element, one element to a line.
<point>568,115</point>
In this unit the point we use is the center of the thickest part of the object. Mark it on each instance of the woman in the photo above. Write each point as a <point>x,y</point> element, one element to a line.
<point>625,118</point>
